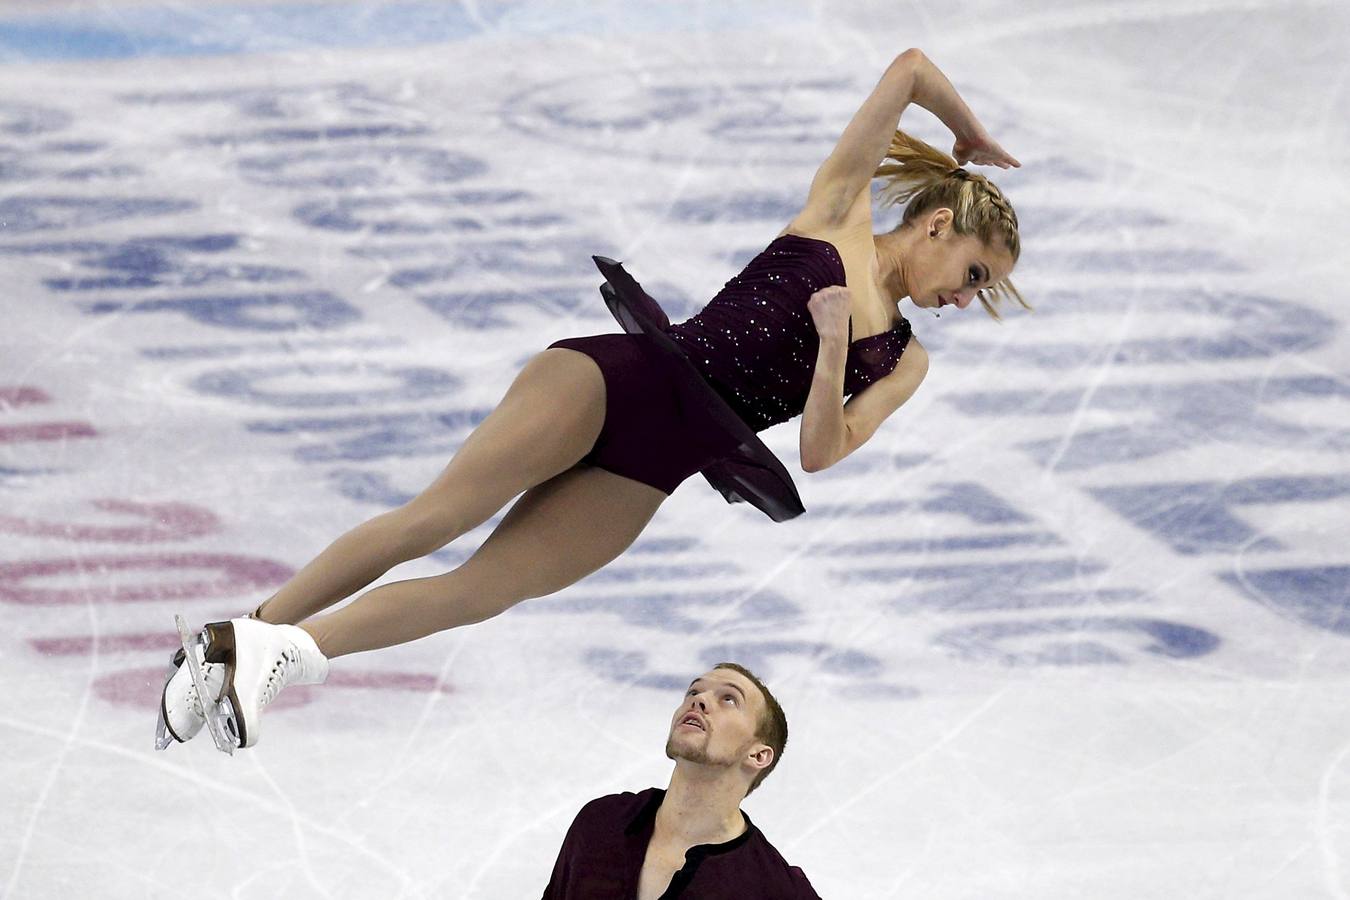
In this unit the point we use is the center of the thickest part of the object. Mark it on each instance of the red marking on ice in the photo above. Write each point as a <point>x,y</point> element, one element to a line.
<point>167,522</point>
<point>141,688</point>
<point>238,575</point>
<point>21,395</point>
<point>84,645</point>
<point>398,681</point>
<point>46,431</point>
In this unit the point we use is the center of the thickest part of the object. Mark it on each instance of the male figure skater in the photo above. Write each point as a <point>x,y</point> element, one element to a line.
<point>690,840</point>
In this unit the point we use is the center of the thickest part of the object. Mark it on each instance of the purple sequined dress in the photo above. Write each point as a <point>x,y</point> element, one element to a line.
<point>689,397</point>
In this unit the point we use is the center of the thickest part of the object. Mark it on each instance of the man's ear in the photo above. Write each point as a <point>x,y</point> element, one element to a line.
<point>761,756</point>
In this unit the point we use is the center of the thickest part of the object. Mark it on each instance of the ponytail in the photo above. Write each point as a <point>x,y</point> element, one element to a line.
<point>910,166</point>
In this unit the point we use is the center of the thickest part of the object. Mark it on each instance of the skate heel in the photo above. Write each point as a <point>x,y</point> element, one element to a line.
<point>260,659</point>
<point>220,642</point>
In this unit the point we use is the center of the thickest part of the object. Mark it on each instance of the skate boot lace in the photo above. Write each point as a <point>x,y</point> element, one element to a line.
<point>286,665</point>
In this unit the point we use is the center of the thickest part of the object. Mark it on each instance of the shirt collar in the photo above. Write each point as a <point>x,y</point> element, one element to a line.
<point>644,821</point>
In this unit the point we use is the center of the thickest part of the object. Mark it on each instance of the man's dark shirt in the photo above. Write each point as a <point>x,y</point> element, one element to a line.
<point>601,859</point>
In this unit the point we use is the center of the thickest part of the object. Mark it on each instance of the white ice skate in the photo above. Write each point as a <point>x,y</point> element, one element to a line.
<point>181,711</point>
<point>260,659</point>
<point>217,714</point>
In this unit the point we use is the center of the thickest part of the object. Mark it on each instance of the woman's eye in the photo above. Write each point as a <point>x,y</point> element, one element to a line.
<point>974,275</point>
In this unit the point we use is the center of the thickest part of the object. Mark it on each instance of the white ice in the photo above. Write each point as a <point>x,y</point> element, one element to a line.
<point>1073,624</point>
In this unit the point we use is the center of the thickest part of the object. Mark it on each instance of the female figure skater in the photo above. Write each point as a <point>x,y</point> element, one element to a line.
<point>597,431</point>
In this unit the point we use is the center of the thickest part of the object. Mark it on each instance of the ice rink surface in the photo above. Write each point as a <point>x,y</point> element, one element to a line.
<point>1073,624</point>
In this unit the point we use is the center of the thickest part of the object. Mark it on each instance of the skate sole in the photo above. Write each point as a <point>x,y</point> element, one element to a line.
<point>213,716</point>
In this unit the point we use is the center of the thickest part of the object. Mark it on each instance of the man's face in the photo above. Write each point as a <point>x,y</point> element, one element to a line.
<point>715,725</point>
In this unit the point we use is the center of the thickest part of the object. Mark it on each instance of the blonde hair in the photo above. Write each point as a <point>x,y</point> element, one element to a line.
<point>929,179</point>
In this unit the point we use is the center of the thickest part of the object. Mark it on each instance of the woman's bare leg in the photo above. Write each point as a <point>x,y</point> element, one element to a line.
<point>548,420</point>
<point>556,534</point>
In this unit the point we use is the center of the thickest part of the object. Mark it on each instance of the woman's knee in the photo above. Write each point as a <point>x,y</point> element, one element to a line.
<point>420,527</point>
<point>478,594</point>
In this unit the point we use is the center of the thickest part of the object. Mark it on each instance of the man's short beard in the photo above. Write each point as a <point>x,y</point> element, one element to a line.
<point>697,755</point>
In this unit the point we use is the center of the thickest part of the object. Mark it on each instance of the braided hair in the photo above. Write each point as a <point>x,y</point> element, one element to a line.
<point>928,179</point>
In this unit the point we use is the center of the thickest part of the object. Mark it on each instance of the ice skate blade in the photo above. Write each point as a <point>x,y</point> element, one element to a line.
<point>212,710</point>
<point>162,737</point>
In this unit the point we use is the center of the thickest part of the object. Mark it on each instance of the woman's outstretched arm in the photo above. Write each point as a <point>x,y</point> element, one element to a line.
<point>911,78</point>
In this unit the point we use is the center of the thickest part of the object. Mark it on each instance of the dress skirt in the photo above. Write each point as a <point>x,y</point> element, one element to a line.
<point>663,420</point>
<point>649,435</point>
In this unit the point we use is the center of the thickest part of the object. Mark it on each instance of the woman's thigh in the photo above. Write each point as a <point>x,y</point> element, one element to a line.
<point>561,531</point>
<point>548,420</point>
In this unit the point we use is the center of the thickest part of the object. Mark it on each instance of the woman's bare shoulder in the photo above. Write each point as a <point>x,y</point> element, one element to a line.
<point>816,217</point>
<point>855,246</point>
<point>851,242</point>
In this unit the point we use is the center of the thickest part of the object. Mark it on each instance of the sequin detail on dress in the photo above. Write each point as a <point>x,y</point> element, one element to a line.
<point>665,415</point>
<point>756,344</point>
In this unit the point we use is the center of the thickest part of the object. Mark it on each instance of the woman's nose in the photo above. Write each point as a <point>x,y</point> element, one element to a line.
<point>964,297</point>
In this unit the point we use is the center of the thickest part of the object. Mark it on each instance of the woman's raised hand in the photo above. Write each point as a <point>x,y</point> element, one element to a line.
<point>982,150</point>
<point>936,94</point>
<point>829,308</point>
